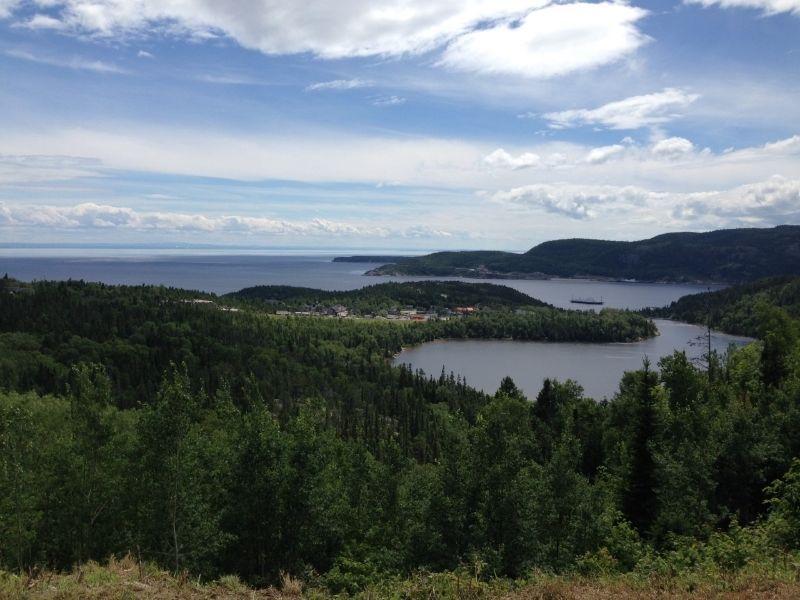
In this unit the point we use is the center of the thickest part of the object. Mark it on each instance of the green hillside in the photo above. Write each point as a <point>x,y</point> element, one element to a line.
<point>419,294</point>
<point>727,255</point>
<point>737,309</point>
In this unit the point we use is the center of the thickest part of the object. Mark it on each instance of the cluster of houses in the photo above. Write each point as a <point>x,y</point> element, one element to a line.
<point>210,303</point>
<point>399,314</point>
<point>338,311</point>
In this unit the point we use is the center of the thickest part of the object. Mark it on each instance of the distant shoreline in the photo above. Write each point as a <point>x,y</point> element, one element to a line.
<point>545,277</point>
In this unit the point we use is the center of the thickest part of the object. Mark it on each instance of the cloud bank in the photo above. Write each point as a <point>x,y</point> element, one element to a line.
<point>528,38</point>
<point>22,169</point>
<point>573,201</point>
<point>89,215</point>
<point>767,203</point>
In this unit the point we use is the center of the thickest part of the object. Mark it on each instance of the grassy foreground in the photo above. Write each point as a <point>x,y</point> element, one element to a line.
<point>127,578</point>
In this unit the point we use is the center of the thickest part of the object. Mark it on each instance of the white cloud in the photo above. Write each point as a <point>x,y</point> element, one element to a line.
<point>228,79</point>
<point>673,147</point>
<point>334,156</point>
<point>603,154</point>
<point>787,146</point>
<point>144,54</point>
<point>503,160</point>
<point>338,84</point>
<point>7,7</point>
<point>772,202</point>
<point>326,29</point>
<point>389,101</point>
<point>552,41</point>
<point>423,231</point>
<point>500,160</point>
<point>74,62</point>
<point>298,156</point>
<point>531,38</point>
<point>780,157</point>
<point>16,169</point>
<point>631,113</point>
<point>42,21</point>
<point>770,7</point>
<point>644,194</point>
<point>573,201</point>
<point>89,215</point>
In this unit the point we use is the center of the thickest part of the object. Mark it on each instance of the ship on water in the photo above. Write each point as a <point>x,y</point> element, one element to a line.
<point>587,300</point>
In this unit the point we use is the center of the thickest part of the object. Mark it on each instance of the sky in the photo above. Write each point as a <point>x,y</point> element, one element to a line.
<point>397,124</point>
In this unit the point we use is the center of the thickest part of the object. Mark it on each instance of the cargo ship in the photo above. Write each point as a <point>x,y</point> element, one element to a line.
<point>596,301</point>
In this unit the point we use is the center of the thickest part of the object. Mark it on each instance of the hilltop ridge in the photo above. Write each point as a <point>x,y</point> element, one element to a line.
<point>725,255</point>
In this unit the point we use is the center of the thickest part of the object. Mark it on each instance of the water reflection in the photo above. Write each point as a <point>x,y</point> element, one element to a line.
<point>597,367</point>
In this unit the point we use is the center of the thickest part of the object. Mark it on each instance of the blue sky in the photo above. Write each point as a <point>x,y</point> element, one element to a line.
<point>414,124</point>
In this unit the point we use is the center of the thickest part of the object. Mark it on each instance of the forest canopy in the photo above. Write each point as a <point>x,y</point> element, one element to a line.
<point>135,420</point>
<point>738,309</point>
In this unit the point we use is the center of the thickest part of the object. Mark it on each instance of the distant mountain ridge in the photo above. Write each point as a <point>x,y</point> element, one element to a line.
<point>725,255</point>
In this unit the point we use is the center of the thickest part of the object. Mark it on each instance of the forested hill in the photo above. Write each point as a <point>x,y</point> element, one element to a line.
<point>737,309</point>
<point>726,255</point>
<point>418,294</point>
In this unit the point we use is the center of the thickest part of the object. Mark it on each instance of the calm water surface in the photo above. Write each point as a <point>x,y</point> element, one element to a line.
<point>597,367</point>
<point>227,273</point>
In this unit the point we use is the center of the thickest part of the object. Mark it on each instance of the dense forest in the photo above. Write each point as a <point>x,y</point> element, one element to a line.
<point>727,255</point>
<point>137,332</point>
<point>419,294</point>
<point>136,421</point>
<point>738,309</point>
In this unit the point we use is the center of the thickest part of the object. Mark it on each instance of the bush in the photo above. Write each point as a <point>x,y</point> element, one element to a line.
<point>784,518</point>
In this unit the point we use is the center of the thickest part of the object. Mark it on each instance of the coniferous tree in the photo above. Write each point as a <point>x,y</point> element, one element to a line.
<point>639,498</point>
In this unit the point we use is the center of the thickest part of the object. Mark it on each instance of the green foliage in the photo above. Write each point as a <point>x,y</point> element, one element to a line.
<point>20,456</point>
<point>136,332</point>
<point>784,503</point>
<point>384,296</point>
<point>737,309</point>
<point>779,334</point>
<point>639,497</point>
<point>239,443</point>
